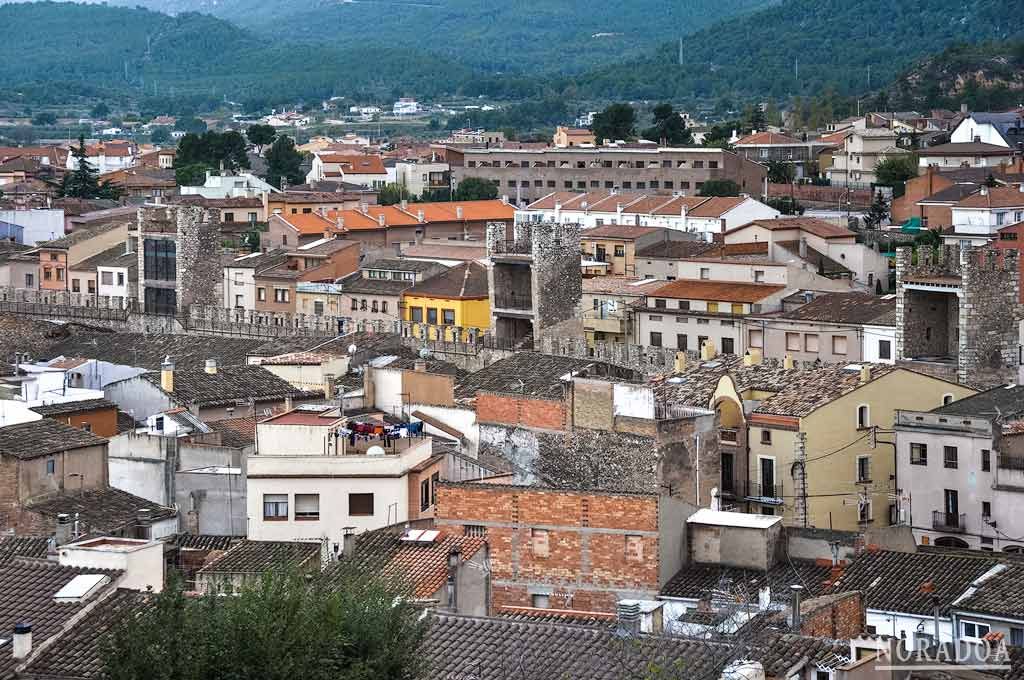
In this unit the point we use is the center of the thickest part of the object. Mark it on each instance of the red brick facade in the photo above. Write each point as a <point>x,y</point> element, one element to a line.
<point>842,618</point>
<point>504,409</point>
<point>920,188</point>
<point>582,550</point>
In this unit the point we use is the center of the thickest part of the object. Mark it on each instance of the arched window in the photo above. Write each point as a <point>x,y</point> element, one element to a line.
<point>951,542</point>
<point>947,399</point>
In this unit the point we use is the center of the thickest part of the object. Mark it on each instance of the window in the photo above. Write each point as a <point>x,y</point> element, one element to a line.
<point>684,305</point>
<point>863,468</point>
<point>737,308</point>
<point>161,301</point>
<point>655,339</point>
<point>755,339</point>
<point>360,504</point>
<point>863,416</point>
<point>384,306</point>
<point>53,257</point>
<point>60,274</point>
<point>51,466</point>
<point>158,423</point>
<point>918,454</point>
<point>90,286</point>
<point>448,317</point>
<point>1017,637</point>
<point>107,278</point>
<point>864,514</point>
<point>793,342</point>
<point>307,506</point>
<point>766,437</point>
<point>712,165</point>
<point>280,295</point>
<point>947,399</point>
<point>30,281</point>
<point>620,251</point>
<point>660,304</point>
<point>698,164</point>
<point>87,427</point>
<point>634,548</point>
<point>424,494</point>
<point>713,307</point>
<point>160,259</point>
<point>949,457</point>
<point>811,342</point>
<point>969,629</point>
<point>705,273</point>
<point>838,344</point>
<point>275,507</point>
<point>703,322</point>
<point>474,530</point>
<point>540,601</point>
<point>728,346</point>
<point>986,509</point>
<point>47,274</point>
<point>539,541</point>
<point>76,287</point>
<point>986,460</point>
<point>681,341</point>
<point>318,307</point>
<point>229,217</point>
<point>261,294</point>
<point>885,349</point>
<point>416,314</point>
<point>432,316</point>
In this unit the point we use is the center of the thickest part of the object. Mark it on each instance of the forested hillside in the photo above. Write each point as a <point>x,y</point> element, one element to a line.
<point>802,47</point>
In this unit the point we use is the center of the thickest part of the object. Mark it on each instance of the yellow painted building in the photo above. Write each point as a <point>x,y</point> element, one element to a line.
<point>849,485</point>
<point>456,299</point>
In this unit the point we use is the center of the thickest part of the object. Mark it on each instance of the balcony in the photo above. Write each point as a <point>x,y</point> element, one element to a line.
<point>1009,462</point>
<point>766,494</point>
<point>513,247</point>
<point>519,301</point>
<point>732,486</point>
<point>949,522</point>
<point>605,324</point>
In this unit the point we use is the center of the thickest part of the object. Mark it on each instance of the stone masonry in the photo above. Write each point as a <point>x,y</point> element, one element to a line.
<point>959,309</point>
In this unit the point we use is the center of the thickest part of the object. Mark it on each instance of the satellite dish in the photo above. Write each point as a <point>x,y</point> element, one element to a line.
<point>425,353</point>
<point>352,349</point>
<point>375,451</point>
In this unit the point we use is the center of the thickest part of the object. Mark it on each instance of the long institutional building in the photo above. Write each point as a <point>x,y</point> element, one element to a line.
<point>525,175</point>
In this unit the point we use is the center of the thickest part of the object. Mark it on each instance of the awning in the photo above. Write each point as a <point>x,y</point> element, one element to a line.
<point>911,226</point>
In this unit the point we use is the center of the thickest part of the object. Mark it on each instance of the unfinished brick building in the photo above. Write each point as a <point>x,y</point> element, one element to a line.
<point>566,549</point>
<point>958,313</point>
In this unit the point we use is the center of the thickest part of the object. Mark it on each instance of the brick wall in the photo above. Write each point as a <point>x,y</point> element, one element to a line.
<point>505,409</point>
<point>840,619</point>
<point>920,187</point>
<point>584,550</point>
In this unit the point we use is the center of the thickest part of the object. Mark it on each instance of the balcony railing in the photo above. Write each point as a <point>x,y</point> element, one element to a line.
<point>1008,462</point>
<point>949,522</point>
<point>513,301</point>
<point>731,487</point>
<point>514,247</point>
<point>764,493</point>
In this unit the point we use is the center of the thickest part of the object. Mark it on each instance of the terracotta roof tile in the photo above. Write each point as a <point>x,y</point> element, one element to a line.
<point>465,281</point>
<point>228,385</point>
<point>853,308</point>
<point>308,224</point>
<point>762,138</point>
<point>618,231</point>
<point>721,291</point>
<point>258,557</point>
<point>995,197</point>
<point>811,225</point>
<point>355,164</point>
<point>716,206</point>
<point>44,437</point>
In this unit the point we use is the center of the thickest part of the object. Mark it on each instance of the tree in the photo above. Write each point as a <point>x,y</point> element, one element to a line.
<point>83,181</point>
<point>44,118</point>
<point>720,187</point>
<point>719,135</point>
<point>780,172</point>
<point>895,170</point>
<point>215,149</point>
<point>787,205</point>
<point>260,135</point>
<point>878,212</point>
<point>284,162</point>
<point>475,189</point>
<point>357,627</point>
<point>436,195</point>
<point>755,120</point>
<point>101,110</point>
<point>159,135</point>
<point>617,121</point>
<point>393,193</point>
<point>669,127</point>
<point>191,124</point>
<point>191,175</point>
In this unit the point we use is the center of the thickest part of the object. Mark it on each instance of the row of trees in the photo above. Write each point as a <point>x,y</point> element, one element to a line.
<point>469,189</point>
<point>619,121</point>
<point>212,151</point>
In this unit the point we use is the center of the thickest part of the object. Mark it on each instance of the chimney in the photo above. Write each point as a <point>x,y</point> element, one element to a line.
<point>328,386</point>
<point>984,190</point>
<point>963,108</point>
<point>797,592</point>
<point>787,362</point>
<point>339,222</point>
<point>404,204</point>
<point>628,618</point>
<point>63,534</point>
<point>143,521</point>
<point>381,220</point>
<point>680,364</point>
<point>420,366</point>
<point>211,366</point>
<point>348,542</point>
<point>803,248</point>
<point>865,374</point>
<point>454,565</point>
<point>167,375</point>
<point>421,216</point>
<point>707,350</point>
<point>977,139</point>
<point>458,212</point>
<point>22,642</point>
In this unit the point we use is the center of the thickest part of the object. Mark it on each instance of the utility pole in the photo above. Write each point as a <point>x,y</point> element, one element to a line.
<point>800,477</point>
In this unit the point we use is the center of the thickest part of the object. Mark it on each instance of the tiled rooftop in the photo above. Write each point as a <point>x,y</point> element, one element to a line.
<point>227,385</point>
<point>66,407</point>
<point>258,557</point>
<point>854,308</point>
<point>106,510</point>
<point>43,437</point>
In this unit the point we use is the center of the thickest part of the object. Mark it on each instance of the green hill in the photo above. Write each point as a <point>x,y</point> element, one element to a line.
<point>801,47</point>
